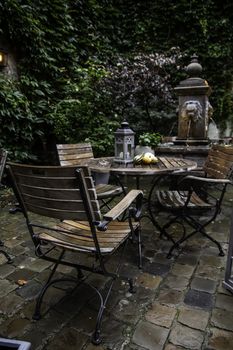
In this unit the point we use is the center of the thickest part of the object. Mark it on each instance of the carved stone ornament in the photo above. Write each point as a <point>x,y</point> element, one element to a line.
<point>191,111</point>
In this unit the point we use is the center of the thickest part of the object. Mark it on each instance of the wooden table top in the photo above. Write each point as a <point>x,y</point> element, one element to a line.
<point>164,165</point>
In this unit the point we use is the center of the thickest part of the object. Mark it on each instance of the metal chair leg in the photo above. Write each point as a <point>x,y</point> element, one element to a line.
<point>221,252</point>
<point>197,228</point>
<point>201,228</point>
<point>37,312</point>
<point>9,259</point>
<point>106,204</point>
<point>132,289</point>
<point>163,229</point>
<point>139,249</point>
<point>80,274</point>
<point>96,339</point>
<point>15,209</point>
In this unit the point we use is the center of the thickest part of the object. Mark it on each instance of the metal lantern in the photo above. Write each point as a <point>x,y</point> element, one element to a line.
<point>3,58</point>
<point>124,144</point>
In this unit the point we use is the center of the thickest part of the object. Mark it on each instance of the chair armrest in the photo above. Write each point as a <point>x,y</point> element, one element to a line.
<point>205,179</point>
<point>115,212</point>
<point>120,207</point>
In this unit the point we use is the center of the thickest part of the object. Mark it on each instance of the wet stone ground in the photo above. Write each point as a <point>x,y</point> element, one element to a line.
<point>179,303</point>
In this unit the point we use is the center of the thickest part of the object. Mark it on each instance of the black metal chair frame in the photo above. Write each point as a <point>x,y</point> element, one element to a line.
<point>42,250</point>
<point>3,157</point>
<point>106,201</point>
<point>187,214</point>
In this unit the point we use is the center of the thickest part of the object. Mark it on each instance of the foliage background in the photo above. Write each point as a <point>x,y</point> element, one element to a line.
<point>65,48</point>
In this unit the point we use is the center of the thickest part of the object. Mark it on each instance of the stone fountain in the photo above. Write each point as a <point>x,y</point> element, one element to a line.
<point>194,114</point>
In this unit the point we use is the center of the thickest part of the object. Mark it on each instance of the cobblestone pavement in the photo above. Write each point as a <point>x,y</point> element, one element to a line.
<point>179,303</point>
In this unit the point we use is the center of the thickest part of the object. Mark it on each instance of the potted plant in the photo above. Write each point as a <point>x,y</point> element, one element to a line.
<point>148,142</point>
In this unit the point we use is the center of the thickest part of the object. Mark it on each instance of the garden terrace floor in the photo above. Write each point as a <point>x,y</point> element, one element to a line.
<point>179,304</point>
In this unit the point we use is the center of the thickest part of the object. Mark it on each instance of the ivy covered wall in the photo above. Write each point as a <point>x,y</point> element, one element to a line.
<point>63,50</point>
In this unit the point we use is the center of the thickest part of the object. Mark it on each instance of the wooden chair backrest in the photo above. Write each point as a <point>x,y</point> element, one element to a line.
<point>3,156</point>
<point>74,154</point>
<point>56,192</point>
<point>219,163</point>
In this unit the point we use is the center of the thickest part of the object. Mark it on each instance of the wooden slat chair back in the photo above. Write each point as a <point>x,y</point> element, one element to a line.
<point>3,157</point>
<point>198,199</point>
<point>219,163</point>
<point>80,153</point>
<point>54,192</point>
<point>67,196</point>
<point>74,154</point>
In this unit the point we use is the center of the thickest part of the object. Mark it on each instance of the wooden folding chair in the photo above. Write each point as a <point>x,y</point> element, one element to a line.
<point>68,195</point>
<point>198,199</point>
<point>3,157</point>
<point>76,154</point>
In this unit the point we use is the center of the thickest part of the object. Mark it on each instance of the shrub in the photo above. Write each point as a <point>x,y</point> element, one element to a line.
<point>140,88</point>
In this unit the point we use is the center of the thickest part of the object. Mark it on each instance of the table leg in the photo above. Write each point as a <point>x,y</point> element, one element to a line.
<point>151,215</point>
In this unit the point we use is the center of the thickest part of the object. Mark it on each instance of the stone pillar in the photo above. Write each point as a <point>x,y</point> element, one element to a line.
<point>194,109</point>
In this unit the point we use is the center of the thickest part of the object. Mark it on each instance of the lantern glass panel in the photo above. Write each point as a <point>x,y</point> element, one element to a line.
<point>130,152</point>
<point>120,150</point>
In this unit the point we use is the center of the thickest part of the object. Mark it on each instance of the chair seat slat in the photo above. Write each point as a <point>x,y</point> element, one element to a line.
<point>108,240</point>
<point>112,233</point>
<point>176,199</point>
<point>114,228</point>
<point>105,191</point>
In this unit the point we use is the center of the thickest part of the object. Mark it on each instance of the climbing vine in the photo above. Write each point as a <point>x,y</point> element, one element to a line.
<point>65,50</point>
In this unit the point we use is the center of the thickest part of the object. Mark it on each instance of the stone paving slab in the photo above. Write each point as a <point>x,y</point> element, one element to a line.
<point>11,304</point>
<point>186,337</point>
<point>193,318</point>
<point>204,285</point>
<point>179,303</point>
<point>170,297</point>
<point>222,319</point>
<point>199,299</point>
<point>6,287</point>
<point>220,340</point>
<point>182,270</point>
<point>150,336</point>
<point>224,302</point>
<point>161,315</point>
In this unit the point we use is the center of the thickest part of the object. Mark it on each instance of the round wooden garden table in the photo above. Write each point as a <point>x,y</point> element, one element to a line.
<point>164,166</point>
